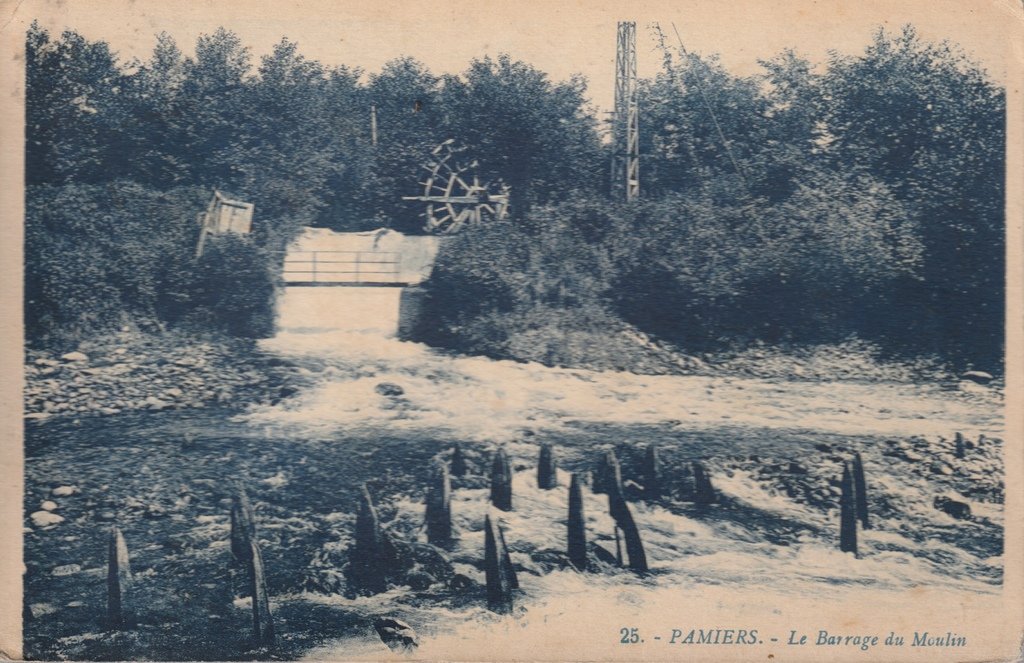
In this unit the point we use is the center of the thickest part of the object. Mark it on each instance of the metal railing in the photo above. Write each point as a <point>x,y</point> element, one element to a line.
<point>355,267</point>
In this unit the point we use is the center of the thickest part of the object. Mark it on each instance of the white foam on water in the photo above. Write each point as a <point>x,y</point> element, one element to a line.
<point>475,398</point>
<point>698,568</point>
<point>701,565</point>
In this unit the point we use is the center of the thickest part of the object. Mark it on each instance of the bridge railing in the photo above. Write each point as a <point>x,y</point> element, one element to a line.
<point>342,267</point>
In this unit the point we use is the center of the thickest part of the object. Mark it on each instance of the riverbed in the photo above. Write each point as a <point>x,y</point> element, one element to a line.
<point>378,412</point>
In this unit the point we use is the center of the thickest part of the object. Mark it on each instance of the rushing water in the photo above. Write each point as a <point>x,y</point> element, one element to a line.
<point>303,459</point>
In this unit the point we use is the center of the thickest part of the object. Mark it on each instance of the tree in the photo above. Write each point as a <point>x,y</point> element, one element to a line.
<point>537,136</point>
<point>211,109</point>
<point>410,124</point>
<point>927,122</point>
<point>73,109</point>
<point>702,130</point>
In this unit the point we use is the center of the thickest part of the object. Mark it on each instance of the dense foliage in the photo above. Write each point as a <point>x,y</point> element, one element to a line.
<point>811,203</point>
<point>862,199</point>
<point>99,256</point>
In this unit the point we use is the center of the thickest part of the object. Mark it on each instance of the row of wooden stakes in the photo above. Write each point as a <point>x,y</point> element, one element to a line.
<point>607,479</point>
<point>501,579</point>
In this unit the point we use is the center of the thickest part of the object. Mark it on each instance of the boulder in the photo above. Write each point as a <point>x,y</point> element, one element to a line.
<point>389,389</point>
<point>420,580</point>
<point>461,583</point>
<point>980,377</point>
<point>66,570</point>
<point>48,505</point>
<point>955,508</point>
<point>396,634</point>
<point>45,519</point>
<point>64,491</point>
<point>74,356</point>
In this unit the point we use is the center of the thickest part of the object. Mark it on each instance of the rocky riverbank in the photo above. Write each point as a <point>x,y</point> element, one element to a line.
<point>130,371</point>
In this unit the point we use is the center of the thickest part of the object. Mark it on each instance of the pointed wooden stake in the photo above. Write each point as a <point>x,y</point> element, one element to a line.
<point>506,560</point>
<point>243,527</point>
<point>547,469</point>
<point>577,538</point>
<point>630,532</point>
<point>704,491</point>
<point>498,575</point>
<point>618,547</point>
<point>368,552</point>
<point>501,481</point>
<point>458,462</point>
<point>652,473</point>
<point>439,508</point>
<point>847,513</point>
<point>860,491</point>
<point>608,475</point>
<point>262,620</point>
<point>119,576</point>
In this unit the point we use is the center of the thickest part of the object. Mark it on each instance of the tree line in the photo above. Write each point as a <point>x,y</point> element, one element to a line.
<point>858,196</point>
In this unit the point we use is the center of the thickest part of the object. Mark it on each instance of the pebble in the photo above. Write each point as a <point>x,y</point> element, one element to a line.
<point>143,372</point>
<point>45,519</point>
<point>48,505</point>
<point>66,570</point>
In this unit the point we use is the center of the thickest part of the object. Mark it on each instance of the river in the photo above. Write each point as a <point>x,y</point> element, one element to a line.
<point>774,449</point>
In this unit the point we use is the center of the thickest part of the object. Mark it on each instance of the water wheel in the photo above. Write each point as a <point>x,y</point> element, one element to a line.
<point>454,195</point>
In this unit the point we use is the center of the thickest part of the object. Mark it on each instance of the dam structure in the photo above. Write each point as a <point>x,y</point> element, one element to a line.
<point>357,281</point>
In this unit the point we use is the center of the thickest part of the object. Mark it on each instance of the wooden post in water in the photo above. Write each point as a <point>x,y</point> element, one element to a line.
<point>119,577</point>
<point>368,553</point>
<point>630,532</point>
<point>608,475</point>
<point>243,527</point>
<point>458,463</point>
<point>577,538</point>
<point>498,575</point>
<point>243,533</point>
<point>652,473</point>
<point>960,450</point>
<point>547,469</point>
<point>860,490</point>
<point>506,559</point>
<point>262,620</point>
<point>439,508</point>
<point>847,513</point>
<point>501,481</point>
<point>703,490</point>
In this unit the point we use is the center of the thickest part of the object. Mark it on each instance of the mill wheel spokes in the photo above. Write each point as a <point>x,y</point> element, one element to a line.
<point>454,194</point>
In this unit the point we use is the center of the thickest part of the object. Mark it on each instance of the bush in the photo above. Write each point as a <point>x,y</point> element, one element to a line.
<point>97,255</point>
<point>101,256</point>
<point>235,287</point>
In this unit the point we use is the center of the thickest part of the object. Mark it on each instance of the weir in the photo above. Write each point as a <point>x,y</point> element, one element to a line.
<point>361,282</point>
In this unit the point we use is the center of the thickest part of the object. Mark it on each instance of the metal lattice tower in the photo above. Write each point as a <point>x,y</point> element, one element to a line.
<point>625,120</point>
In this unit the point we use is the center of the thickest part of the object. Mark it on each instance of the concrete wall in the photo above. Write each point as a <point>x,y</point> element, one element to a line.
<point>387,310</point>
<point>410,308</point>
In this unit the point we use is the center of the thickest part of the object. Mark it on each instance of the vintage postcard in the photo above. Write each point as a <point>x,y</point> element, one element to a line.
<point>535,331</point>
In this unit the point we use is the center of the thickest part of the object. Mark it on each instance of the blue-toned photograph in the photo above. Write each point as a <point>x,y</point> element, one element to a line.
<point>532,331</point>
